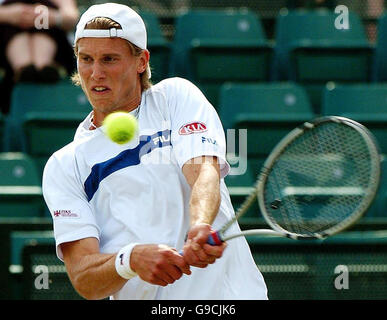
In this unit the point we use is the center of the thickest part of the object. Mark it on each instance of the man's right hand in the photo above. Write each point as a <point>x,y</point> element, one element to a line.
<point>158,264</point>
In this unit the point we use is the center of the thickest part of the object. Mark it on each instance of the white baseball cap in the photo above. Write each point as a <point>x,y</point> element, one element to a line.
<point>133,27</point>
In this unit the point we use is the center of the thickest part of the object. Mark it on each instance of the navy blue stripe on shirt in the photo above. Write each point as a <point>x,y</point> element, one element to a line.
<point>127,158</point>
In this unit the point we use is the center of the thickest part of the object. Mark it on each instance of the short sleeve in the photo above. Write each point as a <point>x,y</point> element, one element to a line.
<point>72,216</point>
<point>196,127</point>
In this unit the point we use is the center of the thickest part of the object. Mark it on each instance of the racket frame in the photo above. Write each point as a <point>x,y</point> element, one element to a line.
<point>258,192</point>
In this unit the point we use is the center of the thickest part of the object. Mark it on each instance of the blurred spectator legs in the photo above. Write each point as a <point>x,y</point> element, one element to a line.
<point>374,10</point>
<point>31,57</point>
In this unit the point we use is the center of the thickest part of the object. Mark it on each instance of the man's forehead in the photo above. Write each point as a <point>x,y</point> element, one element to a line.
<point>100,45</point>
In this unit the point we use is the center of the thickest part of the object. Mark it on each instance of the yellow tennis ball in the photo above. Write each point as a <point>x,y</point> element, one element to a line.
<point>120,127</point>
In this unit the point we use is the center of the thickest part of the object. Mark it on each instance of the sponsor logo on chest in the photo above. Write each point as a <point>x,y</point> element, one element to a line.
<point>192,127</point>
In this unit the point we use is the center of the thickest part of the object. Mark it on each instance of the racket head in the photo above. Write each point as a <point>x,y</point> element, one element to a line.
<point>320,178</point>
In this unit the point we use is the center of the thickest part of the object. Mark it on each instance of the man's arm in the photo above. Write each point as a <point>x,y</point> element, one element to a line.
<point>203,175</point>
<point>94,276</point>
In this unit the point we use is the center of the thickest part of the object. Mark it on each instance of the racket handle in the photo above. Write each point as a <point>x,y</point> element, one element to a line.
<point>215,239</point>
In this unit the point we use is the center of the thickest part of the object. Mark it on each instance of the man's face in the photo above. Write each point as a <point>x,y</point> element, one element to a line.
<point>109,73</point>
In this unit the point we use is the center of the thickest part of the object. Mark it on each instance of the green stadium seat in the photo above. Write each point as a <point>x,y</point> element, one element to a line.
<point>10,282</point>
<point>379,72</point>
<point>240,182</point>
<point>2,125</point>
<point>20,186</point>
<point>214,46</point>
<point>308,270</point>
<point>267,110</point>
<point>378,209</point>
<point>311,50</point>
<point>19,239</point>
<point>365,103</point>
<point>157,45</point>
<point>35,255</point>
<point>43,118</point>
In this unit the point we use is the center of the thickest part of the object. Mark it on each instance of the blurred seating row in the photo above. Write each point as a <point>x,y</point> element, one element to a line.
<point>310,47</point>
<point>350,265</point>
<point>347,266</point>
<point>43,118</point>
<point>53,112</point>
<point>242,74</point>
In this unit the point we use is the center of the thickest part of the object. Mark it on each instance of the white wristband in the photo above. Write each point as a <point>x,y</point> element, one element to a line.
<point>122,262</point>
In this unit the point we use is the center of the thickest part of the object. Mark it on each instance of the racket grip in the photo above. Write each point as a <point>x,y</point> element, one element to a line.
<point>215,239</point>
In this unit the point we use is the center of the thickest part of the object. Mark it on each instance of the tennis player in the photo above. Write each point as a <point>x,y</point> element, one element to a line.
<point>122,213</point>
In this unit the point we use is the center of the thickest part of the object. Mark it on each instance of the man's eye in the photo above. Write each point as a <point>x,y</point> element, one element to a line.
<point>109,59</point>
<point>85,59</point>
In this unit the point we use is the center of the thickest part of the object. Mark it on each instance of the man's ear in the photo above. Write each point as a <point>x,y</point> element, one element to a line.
<point>144,60</point>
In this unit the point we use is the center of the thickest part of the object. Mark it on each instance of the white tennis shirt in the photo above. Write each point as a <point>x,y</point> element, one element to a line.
<point>137,192</point>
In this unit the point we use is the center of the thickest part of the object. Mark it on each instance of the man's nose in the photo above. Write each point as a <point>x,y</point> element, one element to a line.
<point>98,71</point>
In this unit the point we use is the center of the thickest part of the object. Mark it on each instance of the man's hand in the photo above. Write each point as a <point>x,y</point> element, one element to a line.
<point>158,264</point>
<point>197,252</point>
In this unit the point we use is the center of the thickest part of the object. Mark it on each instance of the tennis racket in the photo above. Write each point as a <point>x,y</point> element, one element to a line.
<point>318,180</point>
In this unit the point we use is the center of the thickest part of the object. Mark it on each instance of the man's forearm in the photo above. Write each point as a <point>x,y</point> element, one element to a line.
<point>205,196</point>
<point>95,276</point>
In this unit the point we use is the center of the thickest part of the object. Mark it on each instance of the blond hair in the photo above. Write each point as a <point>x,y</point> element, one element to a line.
<point>103,23</point>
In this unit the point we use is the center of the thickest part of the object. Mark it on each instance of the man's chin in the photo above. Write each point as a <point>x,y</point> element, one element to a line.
<point>102,105</point>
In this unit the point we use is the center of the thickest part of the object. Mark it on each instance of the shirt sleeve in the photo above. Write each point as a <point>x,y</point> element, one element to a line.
<point>72,215</point>
<point>196,127</point>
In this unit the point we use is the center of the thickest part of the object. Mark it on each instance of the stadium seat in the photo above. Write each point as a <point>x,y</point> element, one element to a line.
<point>20,187</point>
<point>268,111</point>
<point>378,209</point>
<point>40,253</point>
<point>311,50</point>
<point>9,281</point>
<point>214,46</point>
<point>312,270</point>
<point>379,72</point>
<point>157,45</point>
<point>365,103</point>
<point>43,118</point>
<point>2,124</point>
<point>19,239</point>
<point>240,182</point>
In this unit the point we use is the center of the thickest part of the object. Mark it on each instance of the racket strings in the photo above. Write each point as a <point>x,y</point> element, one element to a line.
<point>320,180</point>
